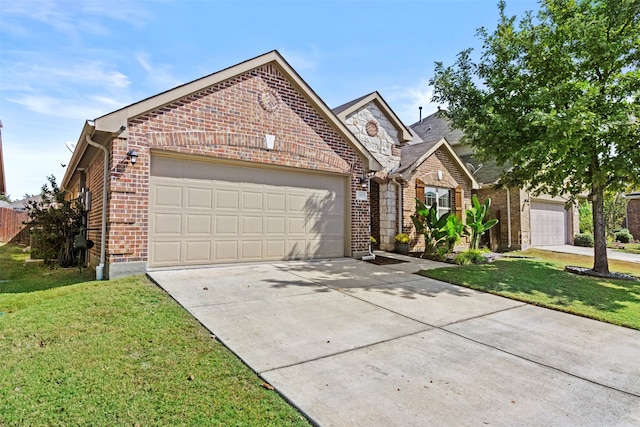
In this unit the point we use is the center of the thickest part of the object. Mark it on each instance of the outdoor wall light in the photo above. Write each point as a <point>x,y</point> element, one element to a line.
<point>132,156</point>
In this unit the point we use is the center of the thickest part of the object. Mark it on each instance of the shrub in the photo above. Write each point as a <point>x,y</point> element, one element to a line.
<point>584,240</point>
<point>471,256</point>
<point>623,236</point>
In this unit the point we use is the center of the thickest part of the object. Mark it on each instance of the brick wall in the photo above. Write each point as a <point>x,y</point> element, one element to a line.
<point>633,218</point>
<point>452,177</point>
<point>227,121</point>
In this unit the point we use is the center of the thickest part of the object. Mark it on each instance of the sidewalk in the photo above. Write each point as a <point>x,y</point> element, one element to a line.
<point>578,250</point>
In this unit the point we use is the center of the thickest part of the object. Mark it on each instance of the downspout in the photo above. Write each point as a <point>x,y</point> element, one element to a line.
<point>508,218</point>
<point>105,186</point>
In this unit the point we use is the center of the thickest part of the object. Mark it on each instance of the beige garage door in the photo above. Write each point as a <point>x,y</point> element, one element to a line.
<point>548,223</point>
<point>202,213</point>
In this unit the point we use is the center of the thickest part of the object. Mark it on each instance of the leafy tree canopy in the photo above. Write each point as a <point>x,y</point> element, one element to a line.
<point>556,97</point>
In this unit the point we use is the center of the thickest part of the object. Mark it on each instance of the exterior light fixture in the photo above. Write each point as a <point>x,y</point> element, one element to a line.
<point>132,155</point>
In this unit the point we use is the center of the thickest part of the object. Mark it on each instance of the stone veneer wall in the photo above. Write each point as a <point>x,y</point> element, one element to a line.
<point>379,145</point>
<point>388,216</point>
<point>227,121</point>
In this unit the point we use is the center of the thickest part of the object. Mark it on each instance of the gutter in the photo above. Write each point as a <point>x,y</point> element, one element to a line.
<point>105,187</point>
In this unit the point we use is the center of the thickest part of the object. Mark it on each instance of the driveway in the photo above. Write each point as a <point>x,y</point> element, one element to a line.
<point>352,343</point>
<point>578,250</point>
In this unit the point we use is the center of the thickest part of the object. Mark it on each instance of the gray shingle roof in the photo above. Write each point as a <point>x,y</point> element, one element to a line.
<point>489,173</point>
<point>343,107</point>
<point>410,153</point>
<point>435,127</point>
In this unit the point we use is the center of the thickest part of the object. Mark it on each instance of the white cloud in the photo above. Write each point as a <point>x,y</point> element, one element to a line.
<point>158,75</point>
<point>406,100</point>
<point>64,107</point>
<point>300,61</point>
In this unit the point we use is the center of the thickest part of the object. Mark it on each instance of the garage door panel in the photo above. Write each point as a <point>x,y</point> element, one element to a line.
<point>275,249</point>
<point>167,224</point>
<point>252,201</point>
<point>168,196</point>
<point>213,213</point>
<point>197,251</point>
<point>227,199</point>
<point>225,250</point>
<point>251,250</point>
<point>226,225</point>
<point>199,198</point>
<point>297,226</point>
<point>252,225</point>
<point>166,252</point>
<point>198,224</point>
<point>275,225</point>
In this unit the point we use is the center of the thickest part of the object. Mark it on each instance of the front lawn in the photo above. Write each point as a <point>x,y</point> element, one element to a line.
<point>632,248</point>
<point>542,281</point>
<point>121,352</point>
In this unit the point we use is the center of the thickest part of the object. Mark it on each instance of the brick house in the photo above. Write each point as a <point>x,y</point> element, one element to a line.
<point>525,220</point>
<point>633,214</point>
<point>246,164</point>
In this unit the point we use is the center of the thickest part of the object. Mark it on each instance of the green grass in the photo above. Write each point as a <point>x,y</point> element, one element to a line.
<point>542,281</point>
<point>632,248</point>
<point>121,352</point>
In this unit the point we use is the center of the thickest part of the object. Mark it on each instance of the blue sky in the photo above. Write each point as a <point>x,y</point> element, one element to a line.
<point>65,61</point>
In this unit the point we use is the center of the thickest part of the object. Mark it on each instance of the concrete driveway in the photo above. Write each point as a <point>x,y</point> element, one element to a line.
<point>351,343</point>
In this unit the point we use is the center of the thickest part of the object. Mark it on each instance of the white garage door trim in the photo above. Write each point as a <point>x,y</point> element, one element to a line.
<point>548,223</point>
<point>203,212</point>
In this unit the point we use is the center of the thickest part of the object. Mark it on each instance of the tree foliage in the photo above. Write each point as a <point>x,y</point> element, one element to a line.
<point>555,97</point>
<point>54,221</point>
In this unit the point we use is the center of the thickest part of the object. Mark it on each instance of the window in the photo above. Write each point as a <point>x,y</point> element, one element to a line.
<point>440,196</point>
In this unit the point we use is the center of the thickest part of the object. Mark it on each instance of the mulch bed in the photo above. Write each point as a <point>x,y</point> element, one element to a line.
<point>383,260</point>
<point>583,271</point>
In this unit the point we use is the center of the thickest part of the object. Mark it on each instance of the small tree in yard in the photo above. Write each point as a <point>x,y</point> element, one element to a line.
<point>54,222</point>
<point>556,98</point>
<point>430,226</point>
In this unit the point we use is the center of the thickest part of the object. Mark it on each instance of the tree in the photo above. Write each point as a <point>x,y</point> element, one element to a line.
<point>54,221</point>
<point>556,98</point>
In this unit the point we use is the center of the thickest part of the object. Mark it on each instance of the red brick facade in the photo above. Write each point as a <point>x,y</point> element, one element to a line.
<point>227,121</point>
<point>633,217</point>
<point>427,172</point>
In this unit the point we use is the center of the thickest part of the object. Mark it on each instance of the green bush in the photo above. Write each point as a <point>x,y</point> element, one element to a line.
<point>623,236</point>
<point>584,240</point>
<point>471,256</point>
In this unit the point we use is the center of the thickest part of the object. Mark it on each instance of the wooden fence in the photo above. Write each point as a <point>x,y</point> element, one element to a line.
<point>12,229</point>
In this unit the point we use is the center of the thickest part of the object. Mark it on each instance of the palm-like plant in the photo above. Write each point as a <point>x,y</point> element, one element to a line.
<point>476,216</point>
<point>430,226</point>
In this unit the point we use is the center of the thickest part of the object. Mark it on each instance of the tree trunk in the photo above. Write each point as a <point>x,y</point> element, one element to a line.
<point>600,261</point>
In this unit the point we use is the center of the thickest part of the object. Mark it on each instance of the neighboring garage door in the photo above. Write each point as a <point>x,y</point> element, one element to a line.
<point>548,223</point>
<point>202,212</point>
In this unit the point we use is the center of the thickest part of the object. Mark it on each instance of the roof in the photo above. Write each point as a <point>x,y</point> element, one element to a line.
<point>436,126</point>
<point>413,155</point>
<point>343,111</point>
<point>105,127</point>
<point>489,173</point>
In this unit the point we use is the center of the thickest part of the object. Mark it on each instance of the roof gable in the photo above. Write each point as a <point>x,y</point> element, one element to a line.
<point>116,121</point>
<point>345,110</point>
<point>414,155</point>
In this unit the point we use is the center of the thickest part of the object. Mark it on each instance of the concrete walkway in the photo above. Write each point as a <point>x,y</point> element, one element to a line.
<point>578,250</point>
<point>350,344</point>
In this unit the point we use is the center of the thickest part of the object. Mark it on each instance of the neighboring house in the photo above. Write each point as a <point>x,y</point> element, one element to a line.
<point>412,168</point>
<point>3,185</point>
<point>246,164</point>
<point>525,220</point>
<point>633,214</point>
